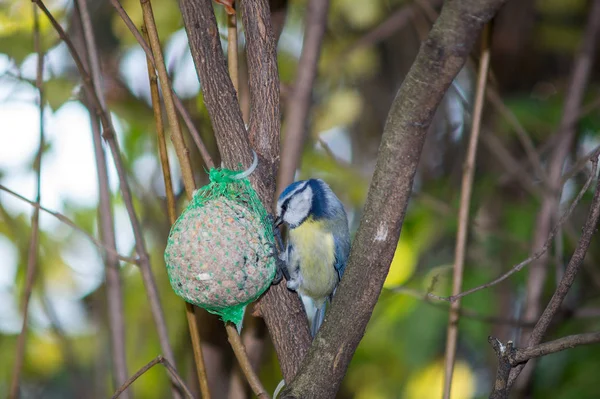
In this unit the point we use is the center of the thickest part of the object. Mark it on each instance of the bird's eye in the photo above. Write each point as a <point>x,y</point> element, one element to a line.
<point>284,207</point>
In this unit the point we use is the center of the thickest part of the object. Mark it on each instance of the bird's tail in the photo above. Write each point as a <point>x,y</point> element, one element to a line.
<point>318,319</point>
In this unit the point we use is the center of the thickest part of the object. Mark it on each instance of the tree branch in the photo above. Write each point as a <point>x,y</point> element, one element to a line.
<point>518,267</point>
<point>108,133</point>
<point>290,332</point>
<point>386,29</point>
<point>189,184</point>
<point>170,369</point>
<point>114,294</point>
<point>504,353</point>
<point>219,93</point>
<point>178,104</point>
<point>33,252</point>
<point>510,357</point>
<point>567,129</point>
<point>299,102</point>
<point>176,134</point>
<point>71,224</point>
<point>571,341</point>
<point>438,62</point>
<point>569,277</point>
<point>463,212</point>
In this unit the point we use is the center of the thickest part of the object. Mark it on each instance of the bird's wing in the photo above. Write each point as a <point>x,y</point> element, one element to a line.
<point>342,247</point>
<point>290,262</point>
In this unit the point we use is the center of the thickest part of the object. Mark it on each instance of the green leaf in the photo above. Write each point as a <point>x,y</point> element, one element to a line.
<point>58,91</point>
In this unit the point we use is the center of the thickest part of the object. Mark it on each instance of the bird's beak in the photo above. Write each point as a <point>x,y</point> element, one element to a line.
<point>278,221</point>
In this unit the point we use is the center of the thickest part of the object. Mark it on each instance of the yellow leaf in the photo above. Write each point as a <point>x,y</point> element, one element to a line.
<point>360,14</point>
<point>403,265</point>
<point>428,382</point>
<point>17,16</point>
<point>341,109</point>
<point>44,355</point>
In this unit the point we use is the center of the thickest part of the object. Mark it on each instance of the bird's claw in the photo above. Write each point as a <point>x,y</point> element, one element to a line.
<point>281,271</point>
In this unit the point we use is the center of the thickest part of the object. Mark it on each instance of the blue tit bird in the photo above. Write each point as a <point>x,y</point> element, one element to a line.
<point>318,242</point>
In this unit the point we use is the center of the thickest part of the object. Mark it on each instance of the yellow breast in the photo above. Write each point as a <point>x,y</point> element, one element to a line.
<point>315,252</point>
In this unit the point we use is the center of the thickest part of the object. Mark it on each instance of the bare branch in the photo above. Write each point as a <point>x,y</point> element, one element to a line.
<point>571,271</point>
<point>510,357</point>
<point>299,102</point>
<point>261,55</point>
<point>114,294</point>
<point>71,224</point>
<point>289,334</point>
<point>494,98</point>
<point>580,164</point>
<point>278,15</point>
<point>170,369</point>
<point>571,341</point>
<point>463,212</point>
<point>178,104</point>
<point>244,362</point>
<point>567,130</point>
<point>219,93</point>
<point>254,339</point>
<point>504,353</point>
<point>438,62</point>
<point>33,252</point>
<point>108,133</point>
<point>386,29</point>
<point>176,134</point>
<point>518,267</point>
<point>171,211</point>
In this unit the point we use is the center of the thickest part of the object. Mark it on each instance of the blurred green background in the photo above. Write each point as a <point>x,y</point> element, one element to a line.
<point>401,354</point>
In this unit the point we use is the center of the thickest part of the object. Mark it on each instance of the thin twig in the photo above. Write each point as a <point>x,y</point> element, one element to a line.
<point>511,358</point>
<point>178,104</point>
<point>114,295</point>
<point>186,172</point>
<point>299,102</point>
<point>33,252</point>
<point>571,271</point>
<point>496,101</point>
<point>560,344</point>
<point>518,267</point>
<point>463,213</point>
<point>71,224</point>
<point>466,313</point>
<point>254,340</point>
<point>233,69</point>
<point>580,164</point>
<point>171,211</point>
<point>523,136</point>
<point>108,133</point>
<point>162,145</point>
<point>245,365</point>
<point>513,167</point>
<point>395,22</point>
<point>177,380</point>
<point>549,208</point>
<point>176,135</point>
<point>232,332</point>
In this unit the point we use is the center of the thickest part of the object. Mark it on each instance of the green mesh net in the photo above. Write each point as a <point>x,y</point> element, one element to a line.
<point>220,250</point>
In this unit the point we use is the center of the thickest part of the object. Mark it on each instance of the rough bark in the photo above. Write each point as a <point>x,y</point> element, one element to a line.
<point>439,60</point>
<point>281,309</point>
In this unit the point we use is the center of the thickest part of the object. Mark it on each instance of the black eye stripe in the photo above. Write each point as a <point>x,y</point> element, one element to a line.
<point>285,205</point>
